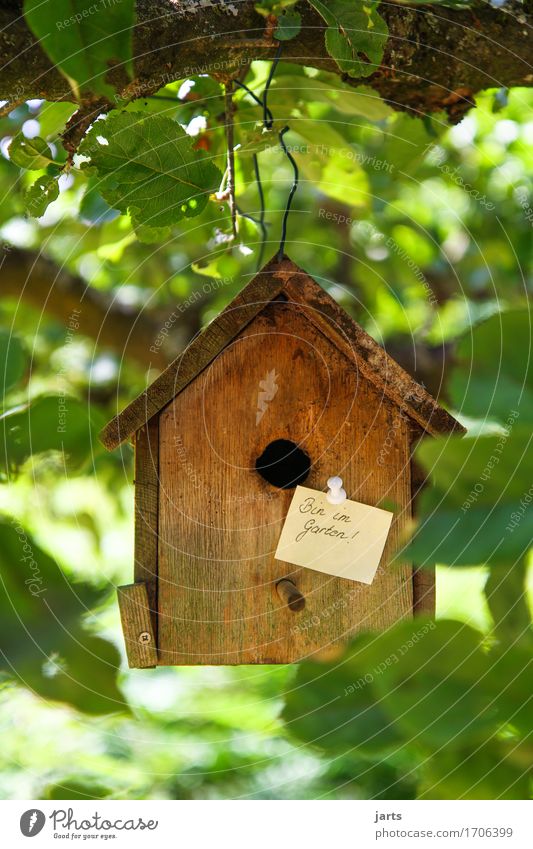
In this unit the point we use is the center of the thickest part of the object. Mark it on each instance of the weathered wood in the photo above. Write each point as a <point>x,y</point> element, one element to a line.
<point>320,309</point>
<point>374,362</point>
<point>141,648</point>
<point>146,511</point>
<point>290,595</point>
<point>219,520</point>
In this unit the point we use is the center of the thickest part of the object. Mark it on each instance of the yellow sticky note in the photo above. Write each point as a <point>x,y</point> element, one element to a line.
<point>344,540</point>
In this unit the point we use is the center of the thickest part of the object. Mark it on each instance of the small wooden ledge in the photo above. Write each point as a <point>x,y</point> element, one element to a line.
<point>141,646</point>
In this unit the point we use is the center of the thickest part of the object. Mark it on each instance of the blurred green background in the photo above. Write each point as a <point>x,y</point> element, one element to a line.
<point>422,232</point>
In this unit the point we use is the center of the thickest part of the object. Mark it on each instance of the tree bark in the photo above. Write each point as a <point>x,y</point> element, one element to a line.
<point>435,58</point>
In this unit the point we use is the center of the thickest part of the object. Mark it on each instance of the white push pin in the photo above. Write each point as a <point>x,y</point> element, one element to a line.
<point>335,494</point>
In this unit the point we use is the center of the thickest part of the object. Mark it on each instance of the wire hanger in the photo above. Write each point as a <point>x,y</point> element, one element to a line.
<point>268,122</point>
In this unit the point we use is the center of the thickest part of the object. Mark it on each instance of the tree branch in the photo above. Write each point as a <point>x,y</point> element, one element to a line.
<point>132,333</point>
<point>125,330</point>
<point>435,58</point>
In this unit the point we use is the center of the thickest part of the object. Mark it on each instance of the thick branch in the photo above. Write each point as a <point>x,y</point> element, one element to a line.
<point>435,58</point>
<point>127,331</point>
<point>40,283</point>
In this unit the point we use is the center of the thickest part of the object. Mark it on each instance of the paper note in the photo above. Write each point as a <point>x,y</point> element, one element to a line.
<point>344,540</point>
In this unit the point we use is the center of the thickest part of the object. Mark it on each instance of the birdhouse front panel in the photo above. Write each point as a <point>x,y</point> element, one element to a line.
<point>279,406</point>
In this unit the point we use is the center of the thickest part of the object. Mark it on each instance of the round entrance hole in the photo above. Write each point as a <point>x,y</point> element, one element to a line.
<point>283,464</point>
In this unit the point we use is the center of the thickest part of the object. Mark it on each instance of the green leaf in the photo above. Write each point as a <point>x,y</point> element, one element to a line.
<point>76,788</point>
<point>48,424</point>
<point>431,690</point>
<point>481,470</point>
<point>506,594</point>
<point>289,25</point>
<point>476,510</point>
<point>43,192</point>
<point>13,361</point>
<point>147,167</point>
<point>489,771</point>
<point>93,207</point>
<point>481,535</point>
<point>53,117</point>
<point>495,374</point>
<point>44,644</point>
<point>334,708</point>
<point>32,154</point>
<point>356,34</point>
<point>85,39</point>
<point>413,684</point>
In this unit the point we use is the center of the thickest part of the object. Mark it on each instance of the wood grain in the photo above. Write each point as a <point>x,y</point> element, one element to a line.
<point>424,578</point>
<point>137,626</point>
<point>219,520</point>
<point>146,511</point>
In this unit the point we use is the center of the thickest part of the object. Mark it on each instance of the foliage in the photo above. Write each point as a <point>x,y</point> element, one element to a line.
<point>147,167</point>
<point>355,36</point>
<point>83,46</point>
<point>423,233</point>
<point>449,699</point>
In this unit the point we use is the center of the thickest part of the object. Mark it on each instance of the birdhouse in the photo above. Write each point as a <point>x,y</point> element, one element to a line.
<point>282,390</point>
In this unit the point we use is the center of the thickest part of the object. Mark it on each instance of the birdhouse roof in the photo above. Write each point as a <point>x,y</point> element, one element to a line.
<point>283,279</point>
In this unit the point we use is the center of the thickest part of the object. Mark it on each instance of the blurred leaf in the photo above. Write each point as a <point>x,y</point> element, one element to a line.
<point>505,591</point>
<point>53,117</point>
<point>477,470</point>
<point>32,154</point>
<point>13,361</point>
<point>43,192</point>
<point>44,646</point>
<point>83,40</point>
<point>413,684</point>
<point>480,535</point>
<point>333,707</point>
<point>494,376</point>
<point>147,167</point>
<point>76,788</point>
<point>355,36</point>
<point>48,424</point>
<point>475,772</point>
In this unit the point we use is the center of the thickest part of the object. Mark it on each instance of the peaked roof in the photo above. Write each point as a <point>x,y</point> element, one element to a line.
<point>283,278</point>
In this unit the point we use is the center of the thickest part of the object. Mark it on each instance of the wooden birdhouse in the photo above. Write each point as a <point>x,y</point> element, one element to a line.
<point>282,389</point>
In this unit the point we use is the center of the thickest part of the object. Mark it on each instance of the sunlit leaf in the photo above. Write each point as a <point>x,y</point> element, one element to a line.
<point>32,154</point>
<point>147,167</point>
<point>43,192</point>
<point>44,644</point>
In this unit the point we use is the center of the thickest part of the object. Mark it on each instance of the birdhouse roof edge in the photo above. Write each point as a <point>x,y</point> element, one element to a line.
<point>275,278</point>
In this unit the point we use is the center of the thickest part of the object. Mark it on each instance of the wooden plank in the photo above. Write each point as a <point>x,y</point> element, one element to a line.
<point>424,578</point>
<point>321,309</point>
<point>146,511</point>
<point>220,520</point>
<point>136,621</point>
<point>374,362</point>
